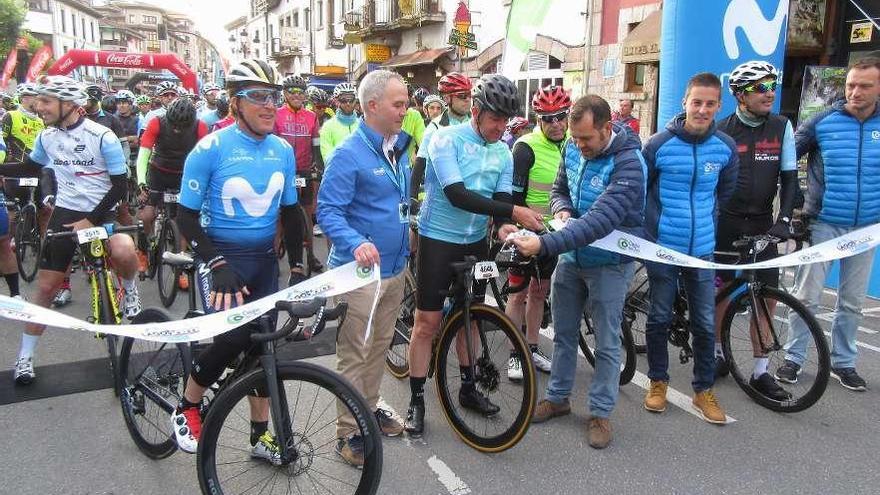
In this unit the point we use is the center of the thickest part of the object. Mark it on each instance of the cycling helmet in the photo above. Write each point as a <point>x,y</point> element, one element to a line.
<point>344,89</point>
<point>320,97</point>
<point>419,96</point>
<point>95,92</point>
<point>166,87</point>
<point>750,72</point>
<point>181,114</point>
<point>108,104</point>
<point>222,104</point>
<point>252,71</point>
<point>125,95</point>
<point>209,87</point>
<point>517,124</point>
<point>63,88</point>
<point>142,100</point>
<point>496,93</point>
<point>295,82</point>
<point>454,82</point>
<point>550,99</point>
<point>433,99</point>
<point>5,96</point>
<point>26,89</point>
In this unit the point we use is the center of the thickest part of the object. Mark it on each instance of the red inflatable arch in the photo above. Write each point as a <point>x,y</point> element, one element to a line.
<point>75,58</point>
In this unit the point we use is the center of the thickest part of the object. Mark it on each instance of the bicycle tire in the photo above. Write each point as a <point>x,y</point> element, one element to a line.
<point>27,243</point>
<point>742,373</point>
<point>167,275</point>
<point>628,363</point>
<point>299,375</point>
<point>490,373</point>
<point>154,247</point>
<point>397,354</point>
<point>166,368</point>
<point>109,316</point>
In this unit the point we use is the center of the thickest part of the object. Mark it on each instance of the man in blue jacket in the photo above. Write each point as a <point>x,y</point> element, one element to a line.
<point>363,208</point>
<point>601,187</point>
<point>843,194</point>
<point>692,169</point>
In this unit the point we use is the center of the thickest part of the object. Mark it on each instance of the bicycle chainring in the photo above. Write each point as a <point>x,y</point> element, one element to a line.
<point>488,376</point>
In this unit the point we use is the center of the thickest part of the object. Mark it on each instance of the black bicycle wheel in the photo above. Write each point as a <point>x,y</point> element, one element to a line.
<point>109,316</point>
<point>154,247</point>
<point>153,376</point>
<point>397,354</point>
<point>27,243</point>
<point>314,397</point>
<point>495,340</point>
<point>636,307</point>
<point>167,275</point>
<point>736,343</point>
<point>587,342</point>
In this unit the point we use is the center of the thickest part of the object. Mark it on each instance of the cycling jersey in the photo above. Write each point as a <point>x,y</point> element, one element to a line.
<point>223,123</point>
<point>239,184</point>
<point>208,115</point>
<point>444,120</point>
<point>334,132</point>
<point>149,116</point>
<point>83,156</point>
<point>300,129</point>
<point>20,130</point>
<point>459,154</point>
<point>169,147</point>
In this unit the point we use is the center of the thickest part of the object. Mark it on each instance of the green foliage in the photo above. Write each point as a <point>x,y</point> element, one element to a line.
<point>12,14</point>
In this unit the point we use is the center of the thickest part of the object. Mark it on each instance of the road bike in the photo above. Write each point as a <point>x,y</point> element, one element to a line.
<point>164,237</point>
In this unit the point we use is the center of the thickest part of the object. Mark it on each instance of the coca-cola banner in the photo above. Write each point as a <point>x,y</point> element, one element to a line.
<point>9,68</point>
<point>38,62</point>
<point>75,58</point>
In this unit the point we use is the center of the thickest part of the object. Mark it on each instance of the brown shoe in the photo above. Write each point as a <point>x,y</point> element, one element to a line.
<point>599,432</point>
<point>351,450</point>
<point>655,400</point>
<point>707,404</point>
<point>390,427</point>
<point>547,409</point>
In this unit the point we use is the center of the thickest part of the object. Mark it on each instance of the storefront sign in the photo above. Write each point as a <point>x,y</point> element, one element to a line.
<point>862,32</point>
<point>378,53</point>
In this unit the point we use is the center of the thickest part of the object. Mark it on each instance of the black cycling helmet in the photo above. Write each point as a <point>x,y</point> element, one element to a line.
<point>95,92</point>
<point>295,82</point>
<point>181,113</point>
<point>222,104</point>
<point>496,93</point>
<point>419,96</point>
<point>108,104</point>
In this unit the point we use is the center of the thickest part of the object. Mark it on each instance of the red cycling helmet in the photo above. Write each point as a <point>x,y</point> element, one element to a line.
<point>454,82</point>
<point>550,100</point>
<point>516,124</point>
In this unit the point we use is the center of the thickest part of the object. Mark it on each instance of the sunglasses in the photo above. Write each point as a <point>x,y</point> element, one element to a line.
<point>554,118</point>
<point>346,100</point>
<point>261,96</point>
<point>764,87</point>
<point>294,91</point>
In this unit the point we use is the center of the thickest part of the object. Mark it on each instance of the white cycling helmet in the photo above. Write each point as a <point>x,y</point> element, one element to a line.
<point>26,89</point>
<point>166,87</point>
<point>433,99</point>
<point>344,89</point>
<point>253,71</point>
<point>750,72</point>
<point>125,95</point>
<point>63,88</point>
<point>209,87</point>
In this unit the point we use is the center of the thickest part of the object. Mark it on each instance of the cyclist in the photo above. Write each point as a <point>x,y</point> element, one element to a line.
<point>91,177</point>
<point>335,130</point>
<point>319,102</point>
<point>536,158</point>
<point>95,112</point>
<point>418,101</point>
<point>469,178</point>
<point>208,113</point>
<point>144,105</point>
<point>166,93</point>
<point>8,265</point>
<point>223,109</point>
<point>433,107</point>
<point>517,127</point>
<point>767,157</point>
<point>130,121</point>
<point>235,245</point>
<point>164,147</point>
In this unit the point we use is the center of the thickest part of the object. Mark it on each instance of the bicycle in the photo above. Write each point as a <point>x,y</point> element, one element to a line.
<point>164,237</point>
<point>750,322</point>
<point>154,381</point>
<point>310,261</point>
<point>105,290</point>
<point>26,232</point>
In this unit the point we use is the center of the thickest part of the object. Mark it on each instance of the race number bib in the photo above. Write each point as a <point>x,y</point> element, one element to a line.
<point>485,270</point>
<point>86,236</point>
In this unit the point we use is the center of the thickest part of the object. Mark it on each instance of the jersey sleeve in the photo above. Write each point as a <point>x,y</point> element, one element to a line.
<point>38,154</point>
<point>444,160</point>
<point>114,157</point>
<point>148,140</point>
<point>505,182</point>
<point>789,152</point>
<point>426,140</point>
<point>289,195</point>
<point>6,126</point>
<point>197,173</point>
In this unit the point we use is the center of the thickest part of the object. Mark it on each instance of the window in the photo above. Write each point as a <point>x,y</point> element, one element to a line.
<point>39,5</point>
<point>295,19</point>
<point>634,81</point>
<point>93,31</point>
<point>63,24</point>
<point>150,19</point>
<point>306,19</point>
<point>83,19</point>
<point>73,23</point>
<point>151,36</point>
<point>319,16</point>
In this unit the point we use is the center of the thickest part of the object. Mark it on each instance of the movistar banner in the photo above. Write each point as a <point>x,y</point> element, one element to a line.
<point>716,36</point>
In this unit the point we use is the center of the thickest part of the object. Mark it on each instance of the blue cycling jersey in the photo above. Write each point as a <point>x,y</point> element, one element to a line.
<point>459,154</point>
<point>239,184</point>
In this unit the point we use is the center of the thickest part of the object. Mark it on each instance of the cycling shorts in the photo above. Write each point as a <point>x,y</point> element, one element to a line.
<point>731,228</point>
<point>158,183</point>
<point>434,277</point>
<point>543,269</point>
<point>58,253</point>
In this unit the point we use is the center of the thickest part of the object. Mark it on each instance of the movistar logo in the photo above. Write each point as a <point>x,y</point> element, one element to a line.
<point>763,34</point>
<point>254,204</point>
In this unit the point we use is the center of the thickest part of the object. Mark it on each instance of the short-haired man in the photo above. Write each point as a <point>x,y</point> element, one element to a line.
<point>843,194</point>
<point>692,168</point>
<point>624,115</point>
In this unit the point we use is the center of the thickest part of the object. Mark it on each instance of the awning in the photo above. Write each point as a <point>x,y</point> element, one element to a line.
<point>421,57</point>
<point>326,83</point>
<point>642,44</point>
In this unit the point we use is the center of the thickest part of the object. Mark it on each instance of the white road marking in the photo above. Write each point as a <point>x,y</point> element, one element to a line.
<point>860,344</point>
<point>453,484</point>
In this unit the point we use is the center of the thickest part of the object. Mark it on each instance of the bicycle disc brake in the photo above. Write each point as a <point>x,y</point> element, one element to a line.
<point>488,376</point>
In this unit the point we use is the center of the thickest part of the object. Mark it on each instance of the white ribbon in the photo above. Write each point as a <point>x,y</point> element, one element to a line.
<point>340,280</point>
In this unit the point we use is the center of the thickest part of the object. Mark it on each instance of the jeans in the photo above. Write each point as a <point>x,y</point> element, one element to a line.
<point>809,282</point>
<point>606,286</point>
<point>700,288</point>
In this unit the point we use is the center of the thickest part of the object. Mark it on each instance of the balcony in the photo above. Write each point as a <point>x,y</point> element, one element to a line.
<point>383,16</point>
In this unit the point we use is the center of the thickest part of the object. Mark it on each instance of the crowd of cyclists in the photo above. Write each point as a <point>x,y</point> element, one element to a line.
<point>479,170</point>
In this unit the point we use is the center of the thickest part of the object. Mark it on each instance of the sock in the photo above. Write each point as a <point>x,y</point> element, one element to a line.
<point>128,285</point>
<point>66,283</point>
<point>417,389</point>
<point>760,366</point>
<point>718,351</point>
<point>467,381</point>
<point>28,345</point>
<point>12,282</point>
<point>257,430</point>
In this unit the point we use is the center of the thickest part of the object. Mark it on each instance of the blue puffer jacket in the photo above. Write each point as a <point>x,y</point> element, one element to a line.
<point>602,194</point>
<point>359,202</point>
<point>844,166</point>
<point>688,177</point>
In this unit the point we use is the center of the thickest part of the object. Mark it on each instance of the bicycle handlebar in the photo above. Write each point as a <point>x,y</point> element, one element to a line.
<point>303,309</point>
<point>111,229</point>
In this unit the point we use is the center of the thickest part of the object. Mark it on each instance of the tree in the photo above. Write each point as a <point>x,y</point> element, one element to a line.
<point>12,13</point>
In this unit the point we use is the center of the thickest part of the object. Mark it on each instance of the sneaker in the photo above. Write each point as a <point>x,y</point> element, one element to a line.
<point>131,303</point>
<point>721,367</point>
<point>62,298</point>
<point>142,261</point>
<point>315,265</point>
<point>183,282</point>
<point>769,388</point>
<point>390,427</point>
<point>316,231</point>
<point>655,400</point>
<point>24,371</point>
<point>542,362</point>
<point>267,449</point>
<point>415,420</point>
<point>547,409</point>
<point>351,450</point>
<point>710,410</point>
<point>514,369</point>
<point>849,379</point>
<point>599,432</point>
<point>475,401</point>
<point>186,428</point>
<point>788,372</point>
